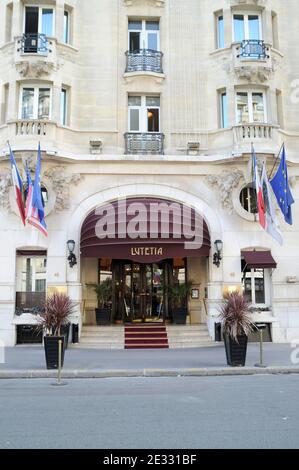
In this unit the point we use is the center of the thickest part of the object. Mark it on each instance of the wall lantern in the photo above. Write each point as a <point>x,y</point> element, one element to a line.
<point>218,255</point>
<point>72,257</point>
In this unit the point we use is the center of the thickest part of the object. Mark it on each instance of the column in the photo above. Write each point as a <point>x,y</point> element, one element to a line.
<point>56,95</point>
<point>228,34</point>
<point>17,23</point>
<point>59,18</point>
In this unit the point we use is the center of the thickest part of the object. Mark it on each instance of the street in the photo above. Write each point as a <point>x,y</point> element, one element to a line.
<point>131,413</point>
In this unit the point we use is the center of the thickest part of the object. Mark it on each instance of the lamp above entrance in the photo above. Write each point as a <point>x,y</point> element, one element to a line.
<point>145,230</point>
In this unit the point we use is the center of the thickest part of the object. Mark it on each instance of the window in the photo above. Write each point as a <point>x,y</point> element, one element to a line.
<point>33,274</point>
<point>144,35</point>
<point>39,20</point>
<point>220,30</point>
<point>144,113</point>
<point>247,27</point>
<point>63,107</point>
<point>248,199</point>
<point>250,107</point>
<point>66,27</point>
<point>255,283</point>
<point>223,110</point>
<point>35,103</point>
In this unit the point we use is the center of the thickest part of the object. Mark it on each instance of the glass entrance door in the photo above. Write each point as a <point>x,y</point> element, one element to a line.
<point>143,291</point>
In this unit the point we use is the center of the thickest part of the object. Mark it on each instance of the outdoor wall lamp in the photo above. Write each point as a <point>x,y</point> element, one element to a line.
<point>72,257</point>
<point>218,255</point>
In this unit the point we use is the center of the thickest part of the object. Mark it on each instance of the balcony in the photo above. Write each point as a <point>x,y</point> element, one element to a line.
<point>30,302</point>
<point>253,49</point>
<point>144,143</point>
<point>144,60</point>
<point>34,44</point>
<point>255,131</point>
<point>31,127</point>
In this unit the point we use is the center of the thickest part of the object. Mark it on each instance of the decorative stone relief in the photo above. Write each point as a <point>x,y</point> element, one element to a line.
<point>36,69</point>
<point>61,183</point>
<point>157,3</point>
<point>253,74</point>
<point>248,2</point>
<point>5,183</point>
<point>227,182</point>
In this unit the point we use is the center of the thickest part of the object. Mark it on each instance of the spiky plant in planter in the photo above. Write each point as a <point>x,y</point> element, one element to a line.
<point>237,325</point>
<point>178,293</point>
<point>58,309</point>
<point>104,292</point>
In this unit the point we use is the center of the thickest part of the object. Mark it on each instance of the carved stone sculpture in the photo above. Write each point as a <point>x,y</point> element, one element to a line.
<point>61,183</point>
<point>5,183</point>
<point>36,69</point>
<point>227,182</point>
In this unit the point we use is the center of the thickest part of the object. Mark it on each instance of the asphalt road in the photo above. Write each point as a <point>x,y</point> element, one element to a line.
<point>132,413</point>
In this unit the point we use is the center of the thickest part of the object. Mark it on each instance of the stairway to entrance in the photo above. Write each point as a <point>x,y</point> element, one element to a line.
<point>142,336</point>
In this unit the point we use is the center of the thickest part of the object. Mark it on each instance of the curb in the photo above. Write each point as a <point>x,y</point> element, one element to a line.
<point>104,374</point>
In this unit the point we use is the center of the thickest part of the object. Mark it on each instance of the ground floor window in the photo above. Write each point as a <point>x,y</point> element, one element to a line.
<point>31,272</point>
<point>256,284</point>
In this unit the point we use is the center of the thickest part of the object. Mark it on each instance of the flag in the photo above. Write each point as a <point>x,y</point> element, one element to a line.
<point>271,220</point>
<point>29,194</point>
<point>36,217</point>
<point>259,191</point>
<point>17,184</point>
<point>281,189</point>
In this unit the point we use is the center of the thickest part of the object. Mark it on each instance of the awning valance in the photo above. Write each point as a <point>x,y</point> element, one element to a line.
<point>259,259</point>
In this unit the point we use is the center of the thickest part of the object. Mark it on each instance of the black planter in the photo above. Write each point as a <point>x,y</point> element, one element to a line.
<point>51,351</point>
<point>236,351</point>
<point>179,315</point>
<point>103,316</point>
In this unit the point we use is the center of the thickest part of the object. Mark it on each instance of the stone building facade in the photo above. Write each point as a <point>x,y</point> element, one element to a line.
<point>149,99</point>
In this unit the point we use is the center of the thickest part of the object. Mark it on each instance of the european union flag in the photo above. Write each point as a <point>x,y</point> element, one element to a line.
<point>281,189</point>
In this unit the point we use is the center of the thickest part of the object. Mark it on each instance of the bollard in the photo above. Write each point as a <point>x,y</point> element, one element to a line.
<point>59,362</point>
<point>261,327</point>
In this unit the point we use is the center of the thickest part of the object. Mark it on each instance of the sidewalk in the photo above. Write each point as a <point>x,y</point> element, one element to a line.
<point>23,361</point>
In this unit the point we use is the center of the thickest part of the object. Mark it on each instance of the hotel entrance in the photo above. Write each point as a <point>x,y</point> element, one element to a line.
<point>138,290</point>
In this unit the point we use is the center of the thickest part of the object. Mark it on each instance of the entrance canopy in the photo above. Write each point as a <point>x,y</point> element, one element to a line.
<point>145,230</point>
<point>259,259</point>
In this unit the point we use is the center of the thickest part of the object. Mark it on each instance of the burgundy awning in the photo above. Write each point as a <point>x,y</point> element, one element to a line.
<point>145,248</point>
<point>259,259</point>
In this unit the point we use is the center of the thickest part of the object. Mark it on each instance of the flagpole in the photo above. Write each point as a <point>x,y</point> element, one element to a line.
<point>276,160</point>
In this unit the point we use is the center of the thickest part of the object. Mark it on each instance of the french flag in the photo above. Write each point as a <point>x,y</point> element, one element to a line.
<point>36,213</point>
<point>259,191</point>
<point>18,185</point>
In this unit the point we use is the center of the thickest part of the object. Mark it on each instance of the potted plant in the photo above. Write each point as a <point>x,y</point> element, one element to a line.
<point>58,308</point>
<point>103,291</point>
<point>178,293</point>
<point>236,325</point>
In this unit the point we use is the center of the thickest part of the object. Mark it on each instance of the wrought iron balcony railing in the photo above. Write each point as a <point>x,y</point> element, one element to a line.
<point>144,60</point>
<point>253,49</point>
<point>31,302</point>
<point>144,143</point>
<point>34,44</point>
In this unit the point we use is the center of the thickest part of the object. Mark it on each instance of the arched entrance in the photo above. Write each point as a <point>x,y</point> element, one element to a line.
<point>134,248</point>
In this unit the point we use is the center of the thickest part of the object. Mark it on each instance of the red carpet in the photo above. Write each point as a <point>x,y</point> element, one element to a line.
<point>146,336</point>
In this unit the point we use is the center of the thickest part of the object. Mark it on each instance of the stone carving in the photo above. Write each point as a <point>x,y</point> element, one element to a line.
<point>293,181</point>
<point>61,182</point>
<point>5,183</point>
<point>248,2</point>
<point>36,69</point>
<point>227,182</point>
<point>253,74</point>
<point>158,3</point>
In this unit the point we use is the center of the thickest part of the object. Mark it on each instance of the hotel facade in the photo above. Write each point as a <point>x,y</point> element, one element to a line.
<point>148,102</point>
